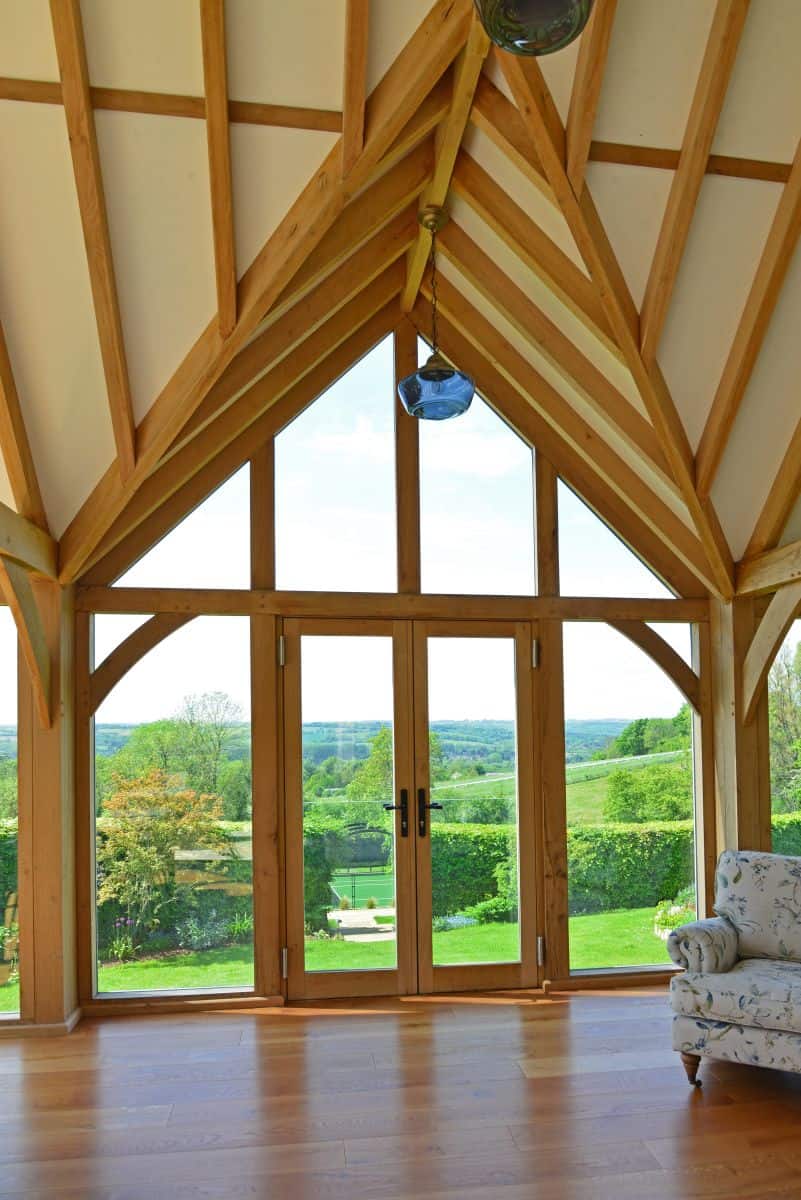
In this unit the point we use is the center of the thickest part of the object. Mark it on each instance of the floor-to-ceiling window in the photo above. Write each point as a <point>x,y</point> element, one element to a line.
<point>9,823</point>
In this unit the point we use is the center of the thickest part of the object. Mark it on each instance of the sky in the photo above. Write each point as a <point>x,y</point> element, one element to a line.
<point>335,530</point>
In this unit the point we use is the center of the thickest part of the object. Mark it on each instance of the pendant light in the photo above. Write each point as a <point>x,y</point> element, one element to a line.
<point>435,391</point>
<point>533,27</point>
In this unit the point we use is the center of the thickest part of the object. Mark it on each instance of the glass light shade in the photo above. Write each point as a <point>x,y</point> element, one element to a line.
<point>533,27</point>
<point>436,391</point>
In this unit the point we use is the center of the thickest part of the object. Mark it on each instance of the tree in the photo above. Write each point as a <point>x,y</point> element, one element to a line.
<point>146,821</point>
<point>657,792</point>
<point>784,708</point>
<point>205,725</point>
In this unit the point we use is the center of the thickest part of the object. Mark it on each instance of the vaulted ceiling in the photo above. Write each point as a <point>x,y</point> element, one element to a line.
<point>208,210</point>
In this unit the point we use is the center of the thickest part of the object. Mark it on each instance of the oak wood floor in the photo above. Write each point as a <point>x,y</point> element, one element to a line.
<point>515,1096</point>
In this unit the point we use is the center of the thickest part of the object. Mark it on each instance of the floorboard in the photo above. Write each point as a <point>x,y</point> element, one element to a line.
<point>516,1096</point>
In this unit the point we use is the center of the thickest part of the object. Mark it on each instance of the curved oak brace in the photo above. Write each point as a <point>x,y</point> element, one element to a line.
<point>128,653</point>
<point>664,656</point>
<point>771,632</point>
<point>15,586</point>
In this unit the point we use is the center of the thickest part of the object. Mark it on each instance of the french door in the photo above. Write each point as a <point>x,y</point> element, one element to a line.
<point>411,806</point>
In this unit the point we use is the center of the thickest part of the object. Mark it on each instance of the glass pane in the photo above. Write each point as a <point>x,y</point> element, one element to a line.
<point>182,558</point>
<point>174,869</point>
<point>630,801</point>
<point>592,559</point>
<point>9,930</point>
<point>784,709</point>
<point>472,738</point>
<point>348,777</point>
<point>476,506</point>
<point>335,485</point>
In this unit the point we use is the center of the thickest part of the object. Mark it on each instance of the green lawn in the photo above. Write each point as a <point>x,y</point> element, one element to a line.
<point>617,939</point>
<point>230,966</point>
<point>9,997</point>
<point>585,800</point>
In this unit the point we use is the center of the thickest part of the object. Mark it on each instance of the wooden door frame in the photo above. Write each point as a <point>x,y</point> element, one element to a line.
<point>401,980</point>
<point>526,972</point>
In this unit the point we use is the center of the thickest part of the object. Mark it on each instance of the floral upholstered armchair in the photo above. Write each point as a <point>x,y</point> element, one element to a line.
<point>739,997</point>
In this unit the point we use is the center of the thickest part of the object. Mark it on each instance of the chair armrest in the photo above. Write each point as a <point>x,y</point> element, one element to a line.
<point>710,945</point>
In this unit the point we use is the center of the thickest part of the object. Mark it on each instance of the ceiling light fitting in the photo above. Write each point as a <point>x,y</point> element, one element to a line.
<point>435,391</point>
<point>533,27</point>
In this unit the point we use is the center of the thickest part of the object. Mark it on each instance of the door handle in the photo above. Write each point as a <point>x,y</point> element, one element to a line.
<point>403,809</point>
<point>422,810</point>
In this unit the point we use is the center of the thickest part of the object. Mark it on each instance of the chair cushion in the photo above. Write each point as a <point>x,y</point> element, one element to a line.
<point>755,992</point>
<point>761,896</point>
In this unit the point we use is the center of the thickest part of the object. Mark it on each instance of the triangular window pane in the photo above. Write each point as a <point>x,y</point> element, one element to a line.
<point>476,505</point>
<point>335,485</point>
<point>209,549</point>
<point>592,559</point>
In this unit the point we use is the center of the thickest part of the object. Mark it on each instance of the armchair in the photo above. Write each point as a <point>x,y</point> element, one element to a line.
<point>739,997</point>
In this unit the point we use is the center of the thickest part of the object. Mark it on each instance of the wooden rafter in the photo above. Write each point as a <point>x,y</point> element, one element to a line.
<point>579,470</point>
<point>586,90</point>
<point>215,80</point>
<point>769,571</point>
<point>762,299</point>
<point>214,455</point>
<point>20,539</point>
<point>354,92</point>
<point>17,591</point>
<point>288,116</point>
<point>417,69</point>
<point>171,104</point>
<point>781,499</point>
<point>539,113</point>
<point>449,140</point>
<point>68,33</point>
<point>710,92</point>
<point>536,395</point>
<point>533,247</point>
<point>15,448</point>
<point>556,348</point>
<point>298,323</point>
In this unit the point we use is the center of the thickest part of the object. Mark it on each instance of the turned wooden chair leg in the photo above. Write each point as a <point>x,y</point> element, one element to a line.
<point>691,1064</point>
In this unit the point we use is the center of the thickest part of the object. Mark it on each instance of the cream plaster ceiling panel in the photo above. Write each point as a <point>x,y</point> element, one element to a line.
<point>270,167</point>
<point>46,309</point>
<point>770,411</point>
<point>524,193</point>
<point>286,53</point>
<point>631,203</point>
<point>147,45</point>
<point>761,116</point>
<point>27,49</point>
<point>558,381</point>
<point>392,23</point>
<point>726,239</point>
<point>559,70</point>
<point>6,495</point>
<point>541,295</point>
<point>792,530</point>
<point>655,54</point>
<point>155,171</point>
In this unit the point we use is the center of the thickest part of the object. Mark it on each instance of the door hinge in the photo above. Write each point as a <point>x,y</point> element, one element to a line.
<point>285,962</point>
<point>540,951</point>
<point>281,650</point>
<point>535,653</point>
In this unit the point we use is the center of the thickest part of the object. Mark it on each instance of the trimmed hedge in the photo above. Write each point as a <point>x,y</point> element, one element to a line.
<point>627,866</point>
<point>786,828</point>
<point>463,862</point>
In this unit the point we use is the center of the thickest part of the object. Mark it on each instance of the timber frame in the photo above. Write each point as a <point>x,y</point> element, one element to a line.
<point>268,609</point>
<point>345,267</point>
